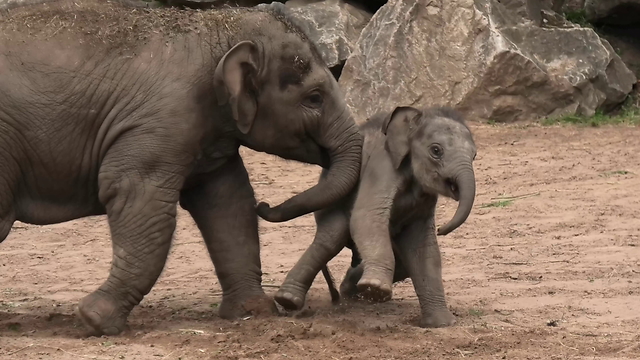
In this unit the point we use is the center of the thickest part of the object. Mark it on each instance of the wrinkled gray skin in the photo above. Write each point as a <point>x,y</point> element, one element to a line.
<point>87,129</point>
<point>410,157</point>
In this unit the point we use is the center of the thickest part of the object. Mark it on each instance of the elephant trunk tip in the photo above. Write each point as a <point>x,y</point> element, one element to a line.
<point>465,184</point>
<point>274,215</point>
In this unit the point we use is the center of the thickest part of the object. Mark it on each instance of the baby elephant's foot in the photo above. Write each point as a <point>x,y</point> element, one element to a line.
<point>290,297</point>
<point>103,314</point>
<point>348,288</point>
<point>239,306</point>
<point>374,290</point>
<point>437,319</point>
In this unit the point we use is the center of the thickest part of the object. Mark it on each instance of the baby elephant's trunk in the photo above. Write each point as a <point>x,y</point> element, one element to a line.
<point>466,183</point>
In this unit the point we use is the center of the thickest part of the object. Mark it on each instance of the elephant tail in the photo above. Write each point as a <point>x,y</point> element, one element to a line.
<point>335,295</point>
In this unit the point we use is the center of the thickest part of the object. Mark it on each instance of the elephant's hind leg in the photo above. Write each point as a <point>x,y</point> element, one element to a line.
<point>418,249</point>
<point>332,235</point>
<point>6,221</point>
<point>140,191</point>
<point>7,214</point>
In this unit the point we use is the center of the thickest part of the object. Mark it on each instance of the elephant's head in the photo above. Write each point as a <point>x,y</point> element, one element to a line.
<point>438,148</point>
<point>286,102</point>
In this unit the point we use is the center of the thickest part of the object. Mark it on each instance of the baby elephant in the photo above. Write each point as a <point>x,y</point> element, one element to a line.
<point>410,156</point>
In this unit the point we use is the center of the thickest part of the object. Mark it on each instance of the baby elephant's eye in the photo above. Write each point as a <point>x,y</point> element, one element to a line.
<point>315,100</point>
<point>436,151</point>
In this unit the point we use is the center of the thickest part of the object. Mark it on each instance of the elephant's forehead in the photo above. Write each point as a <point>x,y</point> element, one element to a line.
<point>297,61</point>
<point>448,132</point>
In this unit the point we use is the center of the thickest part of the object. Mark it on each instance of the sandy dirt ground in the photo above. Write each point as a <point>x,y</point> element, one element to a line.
<point>554,274</point>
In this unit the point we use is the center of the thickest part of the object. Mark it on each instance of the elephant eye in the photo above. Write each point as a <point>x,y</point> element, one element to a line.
<point>315,100</point>
<point>436,151</point>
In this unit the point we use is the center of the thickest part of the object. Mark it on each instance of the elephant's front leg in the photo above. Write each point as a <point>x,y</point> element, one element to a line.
<point>223,207</point>
<point>369,227</point>
<point>420,255</point>
<point>140,193</point>
<point>332,235</point>
<point>348,287</point>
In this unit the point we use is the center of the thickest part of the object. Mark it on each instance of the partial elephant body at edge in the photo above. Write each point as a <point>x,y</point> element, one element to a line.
<point>108,109</point>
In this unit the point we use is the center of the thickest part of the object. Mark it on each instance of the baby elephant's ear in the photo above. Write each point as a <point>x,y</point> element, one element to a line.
<point>235,81</point>
<point>397,127</point>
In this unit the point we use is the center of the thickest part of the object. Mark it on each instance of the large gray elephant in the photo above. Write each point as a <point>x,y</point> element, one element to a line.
<point>410,156</point>
<point>106,109</point>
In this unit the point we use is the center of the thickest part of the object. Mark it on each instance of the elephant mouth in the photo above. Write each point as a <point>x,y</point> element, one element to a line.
<point>453,189</point>
<point>314,154</point>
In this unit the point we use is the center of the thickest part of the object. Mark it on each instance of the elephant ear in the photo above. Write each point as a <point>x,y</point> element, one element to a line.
<point>235,80</point>
<point>397,127</point>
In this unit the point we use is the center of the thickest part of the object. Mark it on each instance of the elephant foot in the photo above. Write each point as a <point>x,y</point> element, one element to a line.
<point>438,318</point>
<point>348,288</point>
<point>289,298</point>
<point>374,290</point>
<point>355,286</point>
<point>102,314</point>
<point>375,284</point>
<point>235,307</point>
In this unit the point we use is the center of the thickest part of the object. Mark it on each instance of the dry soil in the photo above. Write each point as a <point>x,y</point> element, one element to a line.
<point>554,273</point>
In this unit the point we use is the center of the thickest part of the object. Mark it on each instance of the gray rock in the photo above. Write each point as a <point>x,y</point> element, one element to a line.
<point>616,12</point>
<point>548,11</point>
<point>572,5</point>
<point>333,25</point>
<point>482,59</point>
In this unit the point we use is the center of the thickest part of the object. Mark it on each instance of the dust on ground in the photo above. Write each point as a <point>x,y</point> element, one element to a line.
<point>553,272</point>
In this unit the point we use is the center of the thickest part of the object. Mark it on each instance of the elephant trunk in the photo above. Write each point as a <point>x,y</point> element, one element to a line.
<point>466,184</point>
<point>344,144</point>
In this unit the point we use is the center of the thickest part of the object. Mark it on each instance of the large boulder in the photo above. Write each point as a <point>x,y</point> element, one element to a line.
<point>522,7</point>
<point>334,26</point>
<point>616,12</point>
<point>482,59</point>
<point>543,12</point>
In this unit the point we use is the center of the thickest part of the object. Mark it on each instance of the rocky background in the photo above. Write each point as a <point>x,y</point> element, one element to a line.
<point>495,60</point>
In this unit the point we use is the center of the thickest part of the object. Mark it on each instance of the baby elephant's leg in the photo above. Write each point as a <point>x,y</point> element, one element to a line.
<point>420,255</point>
<point>349,285</point>
<point>332,235</point>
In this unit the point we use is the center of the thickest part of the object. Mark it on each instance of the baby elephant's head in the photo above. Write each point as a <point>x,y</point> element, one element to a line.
<point>438,148</point>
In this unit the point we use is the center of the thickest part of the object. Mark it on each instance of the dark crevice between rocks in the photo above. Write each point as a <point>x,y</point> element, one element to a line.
<point>370,5</point>
<point>337,70</point>
<point>625,40</point>
<point>622,15</point>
